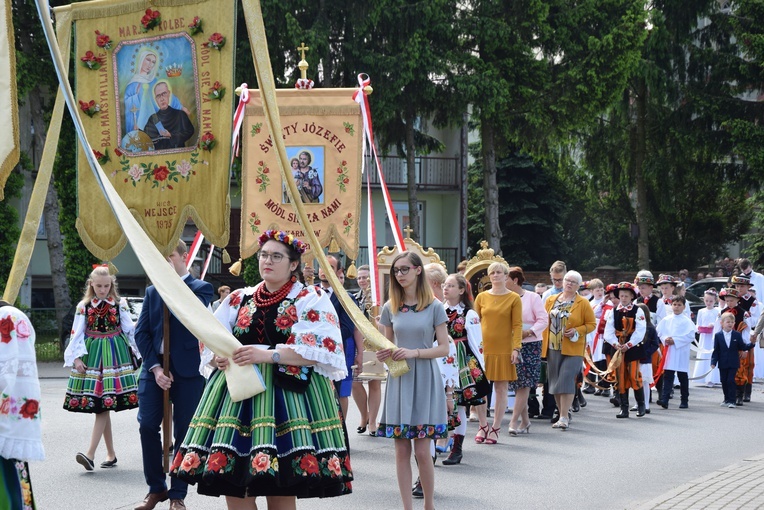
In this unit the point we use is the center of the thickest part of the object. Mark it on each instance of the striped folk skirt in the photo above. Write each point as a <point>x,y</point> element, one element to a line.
<point>473,384</point>
<point>277,443</point>
<point>109,382</point>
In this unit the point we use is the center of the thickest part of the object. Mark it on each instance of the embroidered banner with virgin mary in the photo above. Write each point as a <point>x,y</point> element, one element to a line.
<point>151,85</point>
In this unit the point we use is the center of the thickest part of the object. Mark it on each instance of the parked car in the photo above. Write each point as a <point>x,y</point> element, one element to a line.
<point>696,290</point>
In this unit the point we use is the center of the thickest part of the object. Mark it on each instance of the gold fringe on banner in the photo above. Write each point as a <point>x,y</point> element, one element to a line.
<point>26,243</point>
<point>259,45</point>
<point>315,111</point>
<point>112,268</point>
<point>106,8</point>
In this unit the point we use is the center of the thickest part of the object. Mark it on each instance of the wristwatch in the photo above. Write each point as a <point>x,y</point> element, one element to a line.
<point>276,357</point>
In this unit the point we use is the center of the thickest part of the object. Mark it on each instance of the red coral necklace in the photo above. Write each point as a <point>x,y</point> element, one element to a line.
<point>264,299</point>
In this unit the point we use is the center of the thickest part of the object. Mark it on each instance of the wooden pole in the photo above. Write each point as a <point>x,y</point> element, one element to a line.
<point>166,419</point>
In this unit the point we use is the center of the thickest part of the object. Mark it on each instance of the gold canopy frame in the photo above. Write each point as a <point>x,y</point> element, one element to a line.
<point>476,272</point>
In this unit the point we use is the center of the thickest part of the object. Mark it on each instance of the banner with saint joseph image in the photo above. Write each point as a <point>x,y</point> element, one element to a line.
<point>323,133</point>
<point>151,86</point>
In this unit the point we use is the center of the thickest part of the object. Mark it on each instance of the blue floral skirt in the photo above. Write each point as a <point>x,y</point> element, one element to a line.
<point>529,371</point>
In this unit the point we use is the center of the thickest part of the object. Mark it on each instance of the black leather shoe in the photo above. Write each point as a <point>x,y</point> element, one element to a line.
<point>575,407</point>
<point>109,463</point>
<point>417,491</point>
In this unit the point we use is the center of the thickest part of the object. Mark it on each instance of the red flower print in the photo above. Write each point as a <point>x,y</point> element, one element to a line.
<point>313,316</point>
<point>102,40</point>
<point>254,215</point>
<point>244,320</point>
<point>266,170</point>
<point>292,312</point>
<point>450,359</point>
<point>284,322</point>
<point>458,327</point>
<point>161,173</point>
<point>176,462</point>
<point>350,215</point>
<point>309,464</point>
<point>6,326</point>
<point>293,370</point>
<point>334,466</point>
<point>346,180</point>
<point>235,299</point>
<point>108,401</point>
<point>5,405</point>
<point>30,408</point>
<point>261,163</point>
<point>217,462</point>
<point>74,402</point>
<point>303,293</point>
<point>475,372</point>
<point>345,223</point>
<point>133,398</point>
<point>330,344</point>
<point>309,339</point>
<point>344,163</point>
<point>339,170</point>
<point>84,401</point>
<point>290,340</point>
<point>261,462</point>
<point>190,461</point>
<point>346,463</point>
<point>259,180</point>
<point>467,393</point>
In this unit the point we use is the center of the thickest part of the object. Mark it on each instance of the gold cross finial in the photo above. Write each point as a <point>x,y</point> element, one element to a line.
<point>303,64</point>
<point>408,231</point>
<point>302,48</point>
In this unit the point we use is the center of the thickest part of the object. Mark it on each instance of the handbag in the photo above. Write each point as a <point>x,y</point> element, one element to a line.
<point>292,378</point>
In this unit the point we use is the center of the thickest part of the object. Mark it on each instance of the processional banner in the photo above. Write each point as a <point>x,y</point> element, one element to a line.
<point>151,86</point>
<point>9,144</point>
<point>323,134</point>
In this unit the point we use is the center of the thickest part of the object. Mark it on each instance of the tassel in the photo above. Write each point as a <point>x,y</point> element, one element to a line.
<point>226,257</point>
<point>235,268</point>
<point>333,246</point>
<point>113,269</point>
<point>352,272</point>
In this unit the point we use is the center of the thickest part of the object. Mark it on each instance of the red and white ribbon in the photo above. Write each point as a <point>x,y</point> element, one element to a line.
<point>303,84</point>
<point>238,119</point>
<point>372,241</point>
<point>194,249</point>
<point>207,262</point>
<point>360,97</point>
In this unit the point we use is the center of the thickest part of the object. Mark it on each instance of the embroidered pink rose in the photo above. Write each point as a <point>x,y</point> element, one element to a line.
<point>261,462</point>
<point>23,331</point>
<point>334,466</point>
<point>309,339</point>
<point>184,168</point>
<point>136,172</point>
<point>5,405</point>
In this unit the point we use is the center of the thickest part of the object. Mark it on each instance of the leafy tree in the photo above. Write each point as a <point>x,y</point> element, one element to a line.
<point>9,219</point>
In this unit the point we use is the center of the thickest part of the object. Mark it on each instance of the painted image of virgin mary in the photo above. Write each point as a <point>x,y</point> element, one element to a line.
<point>139,100</point>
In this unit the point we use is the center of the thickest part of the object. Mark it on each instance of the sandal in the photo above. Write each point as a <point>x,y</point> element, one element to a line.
<point>490,440</point>
<point>481,439</point>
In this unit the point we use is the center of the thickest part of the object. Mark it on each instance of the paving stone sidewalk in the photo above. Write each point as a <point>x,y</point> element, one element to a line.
<point>738,486</point>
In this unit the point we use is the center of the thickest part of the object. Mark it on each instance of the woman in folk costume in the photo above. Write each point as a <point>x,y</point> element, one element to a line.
<point>288,441</point>
<point>707,318</point>
<point>464,328</point>
<point>103,372</point>
<point>20,432</point>
<point>625,332</point>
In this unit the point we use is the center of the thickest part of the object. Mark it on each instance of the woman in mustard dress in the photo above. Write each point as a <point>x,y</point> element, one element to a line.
<point>501,318</point>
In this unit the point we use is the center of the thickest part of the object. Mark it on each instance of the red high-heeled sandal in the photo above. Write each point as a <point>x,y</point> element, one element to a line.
<point>490,440</point>
<point>481,439</point>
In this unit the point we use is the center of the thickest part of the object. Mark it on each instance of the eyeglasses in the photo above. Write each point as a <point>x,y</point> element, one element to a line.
<point>573,282</point>
<point>401,270</point>
<point>556,280</point>
<point>275,256</point>
<point>163,94</point>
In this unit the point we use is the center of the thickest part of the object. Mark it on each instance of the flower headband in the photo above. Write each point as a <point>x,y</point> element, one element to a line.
<point>281,236</point>
<point>712,292</point>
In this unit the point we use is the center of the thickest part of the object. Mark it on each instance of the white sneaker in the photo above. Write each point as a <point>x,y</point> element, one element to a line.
<point>724,404</point>
<point>731,406</point>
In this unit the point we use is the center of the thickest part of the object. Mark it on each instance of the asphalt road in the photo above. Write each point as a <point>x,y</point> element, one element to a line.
<point>600,463</point>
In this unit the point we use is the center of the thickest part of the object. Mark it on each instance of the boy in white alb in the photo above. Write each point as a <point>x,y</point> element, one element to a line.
<point>677,332</point>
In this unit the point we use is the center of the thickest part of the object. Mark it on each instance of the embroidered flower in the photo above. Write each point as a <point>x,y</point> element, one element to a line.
<point>5,405</point>
<point>133,398</point>
<point>309,464</point>
<point>216,41</point>
<point>196,26</point>
<point>91,61</point>
<point>330,344</point>
<point>261,462</point>
<point>235,299</point>
<point>217,462</point>
<point>346,463</point>
<point>103,40</point>
<point>150,20</point>
<point>73,402</point>
<point>475,372</point>
<point>313,316</point>
<point>291,339</point>
<point>176,461</point>
<point>30,409</point>
<point>292,312</point>
<point>244,319</point>
<point>135,172</point>
<point>184,168</point>
<point>293,370</point>
<point>334,466</point>
<point>161,173</point>
<point>309,339</point>
<point>284,322</point>
<point>108,401</point>
<point>6,326</point>
<point>89,108</point>
<point>190,461</point>
<point>22,330</point>
<point>208,141</point>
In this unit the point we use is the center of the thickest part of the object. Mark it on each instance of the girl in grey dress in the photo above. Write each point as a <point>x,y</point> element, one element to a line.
<point>415,404</point>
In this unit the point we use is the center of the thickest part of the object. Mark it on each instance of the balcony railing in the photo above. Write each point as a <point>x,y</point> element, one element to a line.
<point>432,173</point>
<point>447,255</point>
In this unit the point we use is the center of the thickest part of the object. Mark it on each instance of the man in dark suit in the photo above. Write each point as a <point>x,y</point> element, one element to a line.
<point>728,344</point>
<point>184,382</point>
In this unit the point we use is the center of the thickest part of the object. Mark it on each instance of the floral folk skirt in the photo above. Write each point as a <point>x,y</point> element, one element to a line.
<point>473,384</point>
<point>15,485</point>
<point>109,382</point>
<point>277,443</point>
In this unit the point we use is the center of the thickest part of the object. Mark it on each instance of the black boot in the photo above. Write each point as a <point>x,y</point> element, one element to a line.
<point>575,407</point>
<point>456,451</point>
<point>581,399</point>
<point>624,406</point>
<point>615,399</point>
<point>747,392</point>
<point>739,392</point>
<point>639,396</point>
